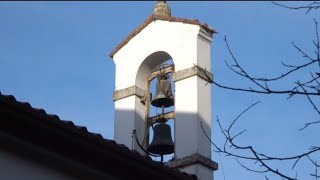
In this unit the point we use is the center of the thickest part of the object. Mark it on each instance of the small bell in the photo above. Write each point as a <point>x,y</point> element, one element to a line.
<point>163,96</point>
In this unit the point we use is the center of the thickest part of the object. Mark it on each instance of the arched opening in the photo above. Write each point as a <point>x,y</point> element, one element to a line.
<point>148,78</point>
<point>149,64</point>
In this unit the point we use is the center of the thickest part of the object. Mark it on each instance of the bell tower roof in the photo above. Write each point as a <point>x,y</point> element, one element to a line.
<point>161,12</point>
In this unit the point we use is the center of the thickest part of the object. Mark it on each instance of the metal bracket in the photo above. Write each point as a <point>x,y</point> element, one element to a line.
<point>167,115</point>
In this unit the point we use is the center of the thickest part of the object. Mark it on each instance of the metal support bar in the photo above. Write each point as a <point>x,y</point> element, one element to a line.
<point>168,115</point>
<point>169,69</point>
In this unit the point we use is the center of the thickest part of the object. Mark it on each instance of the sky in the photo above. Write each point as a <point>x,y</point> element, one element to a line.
<point>54,55</point>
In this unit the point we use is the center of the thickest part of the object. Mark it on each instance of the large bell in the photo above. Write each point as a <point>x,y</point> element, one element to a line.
<point>162,141</point>
<point>163,96</point>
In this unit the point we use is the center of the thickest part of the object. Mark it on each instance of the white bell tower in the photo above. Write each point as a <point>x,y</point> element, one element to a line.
<point>188,43</point>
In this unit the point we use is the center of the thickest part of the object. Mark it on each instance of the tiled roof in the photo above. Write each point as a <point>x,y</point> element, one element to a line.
<point>48,132</point>
<point>157,17</point>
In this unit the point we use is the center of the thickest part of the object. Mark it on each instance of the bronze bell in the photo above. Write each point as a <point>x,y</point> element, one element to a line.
<point>162,141</point>
<point>163,96</point>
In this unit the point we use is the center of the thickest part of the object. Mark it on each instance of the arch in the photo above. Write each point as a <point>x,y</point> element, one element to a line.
<point>148,64</point>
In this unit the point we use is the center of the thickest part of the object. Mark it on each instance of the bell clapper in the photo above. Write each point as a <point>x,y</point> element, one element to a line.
<point>162,112</point>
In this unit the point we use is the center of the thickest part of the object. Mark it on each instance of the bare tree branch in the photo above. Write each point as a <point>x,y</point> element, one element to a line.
<point>306,85</point>
<point>256,156</point>
<point>313,5</point>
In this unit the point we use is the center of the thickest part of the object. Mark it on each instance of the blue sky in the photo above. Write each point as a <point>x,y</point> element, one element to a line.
<point>55,56</point>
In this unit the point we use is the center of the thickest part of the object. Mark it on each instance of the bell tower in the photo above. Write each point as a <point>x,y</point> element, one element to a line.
<point>139,59</point>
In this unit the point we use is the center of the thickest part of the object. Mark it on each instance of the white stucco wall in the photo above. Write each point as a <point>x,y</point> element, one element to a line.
<point>13,167</point>
<point>125,119</point>
<point>179,40</point>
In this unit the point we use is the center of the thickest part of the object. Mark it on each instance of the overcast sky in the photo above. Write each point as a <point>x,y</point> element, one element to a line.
<point>54,55</point>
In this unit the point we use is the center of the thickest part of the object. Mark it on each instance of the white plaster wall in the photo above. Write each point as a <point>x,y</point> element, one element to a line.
<point>186,121</point>
<point>192,107</point>
<point>15,168</point>
<point>204,116</point>
<point>204,95</point>
<point>204,50</point>
<point>177,39</point>
<point>129,115</point>
<point>125,118</point>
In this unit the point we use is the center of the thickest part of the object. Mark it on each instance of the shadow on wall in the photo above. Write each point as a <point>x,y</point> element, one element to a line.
<point>189,132</point>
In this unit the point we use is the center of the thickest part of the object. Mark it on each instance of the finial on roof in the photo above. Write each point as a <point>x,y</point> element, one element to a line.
<point>162,9</point>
